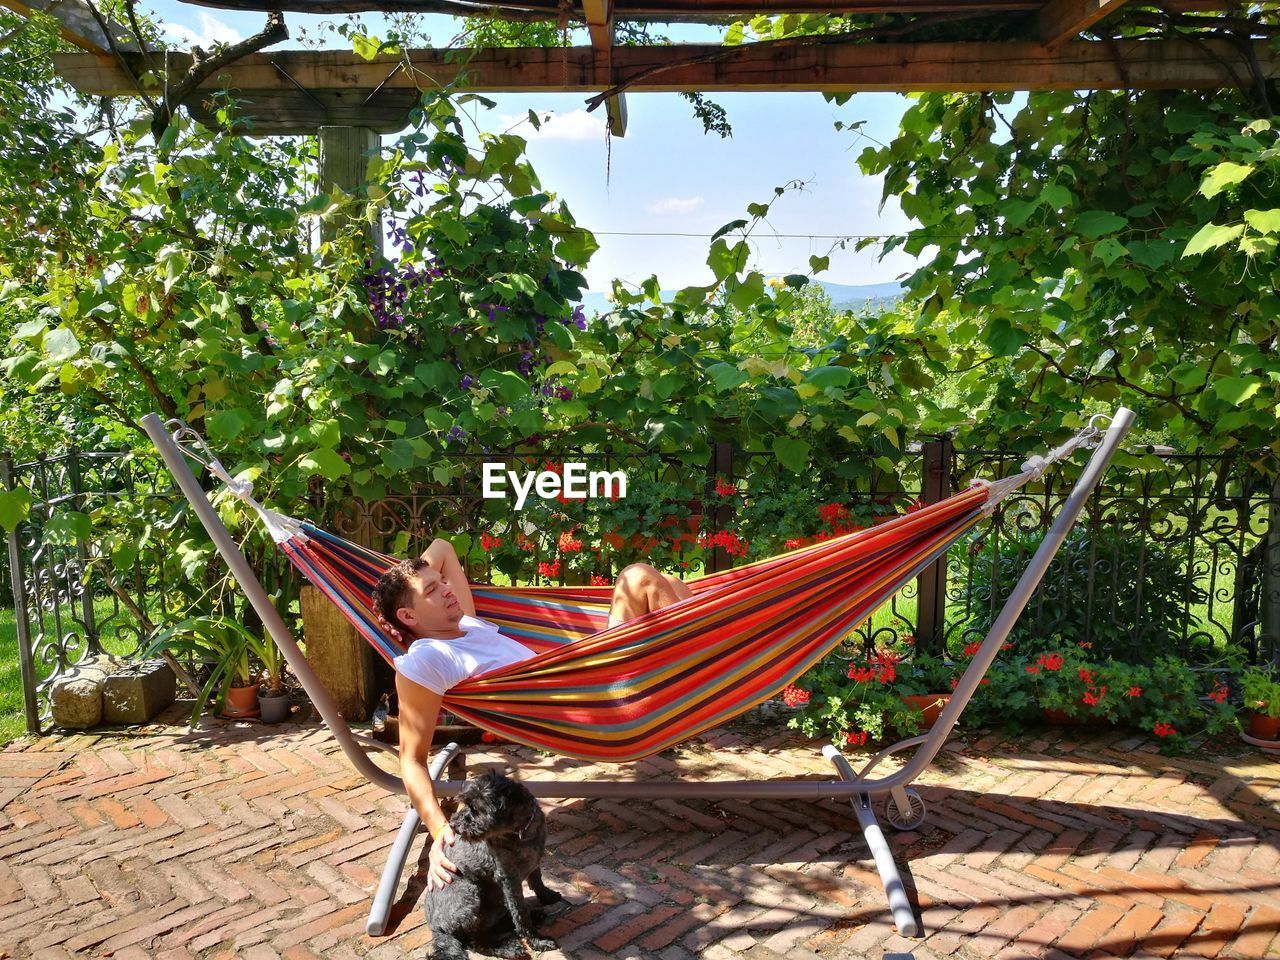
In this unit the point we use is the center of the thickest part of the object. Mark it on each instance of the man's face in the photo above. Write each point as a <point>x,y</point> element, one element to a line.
<point>430,606</point>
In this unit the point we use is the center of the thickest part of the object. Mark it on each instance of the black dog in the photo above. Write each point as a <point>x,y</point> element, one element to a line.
<point>502,834</point>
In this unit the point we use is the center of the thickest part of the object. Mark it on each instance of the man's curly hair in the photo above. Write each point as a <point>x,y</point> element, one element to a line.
<point>391,591</point>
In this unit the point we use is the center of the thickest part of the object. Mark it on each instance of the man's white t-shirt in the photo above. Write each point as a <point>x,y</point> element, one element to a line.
<point>441,664</point>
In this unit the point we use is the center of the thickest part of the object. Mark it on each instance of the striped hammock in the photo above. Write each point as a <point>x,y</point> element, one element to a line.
<point>631,691</point>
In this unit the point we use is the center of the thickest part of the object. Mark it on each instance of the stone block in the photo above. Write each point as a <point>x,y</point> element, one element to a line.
<point>137,692</point>
<point>75,698</point>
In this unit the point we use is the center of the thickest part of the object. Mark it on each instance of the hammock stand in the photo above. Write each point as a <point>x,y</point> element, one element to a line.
<point>904,808</point>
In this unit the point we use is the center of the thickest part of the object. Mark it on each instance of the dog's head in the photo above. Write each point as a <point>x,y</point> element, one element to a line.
<point>491,805</point>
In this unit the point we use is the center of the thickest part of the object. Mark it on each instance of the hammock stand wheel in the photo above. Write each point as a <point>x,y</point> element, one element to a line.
<point>860,788</point>
<point>906,811</point>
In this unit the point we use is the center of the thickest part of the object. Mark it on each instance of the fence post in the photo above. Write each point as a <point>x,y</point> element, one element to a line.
<point>931,584</point>
<point>1269,619</point>
<point>721,513</point>
<point>26,661</point>
<point>82,553</point>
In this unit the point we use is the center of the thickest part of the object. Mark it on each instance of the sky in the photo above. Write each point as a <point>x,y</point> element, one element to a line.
<point>668,177</point>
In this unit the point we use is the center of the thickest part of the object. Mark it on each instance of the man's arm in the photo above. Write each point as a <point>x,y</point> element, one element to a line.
<point>419,710</point>
<point>442,558</point>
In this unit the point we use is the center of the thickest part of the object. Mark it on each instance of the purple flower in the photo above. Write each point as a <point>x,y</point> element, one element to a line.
<point>579,317</point>
<point>564,393</point>
<point>456,435</point>
<point>502,411</point>
<point>467,381</point>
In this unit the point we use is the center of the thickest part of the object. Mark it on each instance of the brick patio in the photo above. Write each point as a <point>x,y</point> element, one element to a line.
<point>239,841</point>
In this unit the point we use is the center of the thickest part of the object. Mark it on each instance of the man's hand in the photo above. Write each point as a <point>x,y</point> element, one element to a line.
<point>441,868</point>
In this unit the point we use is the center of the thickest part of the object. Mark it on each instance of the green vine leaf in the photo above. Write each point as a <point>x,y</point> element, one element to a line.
<point>1224,175</point>
<point>15,507</point>
<point>1210,237</point>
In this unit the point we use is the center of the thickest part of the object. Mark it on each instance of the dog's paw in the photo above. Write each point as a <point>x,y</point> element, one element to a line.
<point>546,896</point>
<point>540,944</point>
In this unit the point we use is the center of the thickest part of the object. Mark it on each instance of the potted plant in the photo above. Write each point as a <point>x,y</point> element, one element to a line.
<point>1260,694</point>
<point>273,696</point>
<point>1071,690</point>
<point>852,702</point>
<point>924,685</point>
<point>225,646</point>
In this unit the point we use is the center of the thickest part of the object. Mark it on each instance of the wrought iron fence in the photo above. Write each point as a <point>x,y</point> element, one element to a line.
<point>1176,553</point>
<point>72,598</point>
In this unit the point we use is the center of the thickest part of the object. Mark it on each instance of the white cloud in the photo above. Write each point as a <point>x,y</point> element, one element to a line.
<point>575,125</point>
<point>211,30</point>
<point>676,205</point>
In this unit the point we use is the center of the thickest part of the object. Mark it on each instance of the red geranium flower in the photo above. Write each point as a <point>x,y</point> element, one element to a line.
<point>549,570</point>
<point>1164,729</point>
<point>599,581</point>
<point>972,648</point>
<point>489,543</point>
<point>855,738</point>
<point>1219,694</point>
<point>793,696</point>
<point>1032,668</point>
<point>792,544</point>
<point>724,488</point>
<point>831,512</point>
<point>1051,661</point>
<point>1134,692</point>
<point>568,543</point>
<point>861,674</point>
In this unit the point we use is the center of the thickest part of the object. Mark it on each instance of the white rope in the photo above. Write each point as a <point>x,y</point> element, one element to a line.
<point>1035,466</point>
<point>282,528</point>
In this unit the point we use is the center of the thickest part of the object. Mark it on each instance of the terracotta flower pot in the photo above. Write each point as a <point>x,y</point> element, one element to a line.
<point>1262,727</point>
<point>242,702</point>
<point>1060,718</point>
<point>929,704</point>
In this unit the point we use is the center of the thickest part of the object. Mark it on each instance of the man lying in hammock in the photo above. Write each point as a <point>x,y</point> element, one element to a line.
<point>428,603</point>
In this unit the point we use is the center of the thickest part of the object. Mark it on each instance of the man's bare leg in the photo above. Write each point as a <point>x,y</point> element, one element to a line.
<point>641,589</point>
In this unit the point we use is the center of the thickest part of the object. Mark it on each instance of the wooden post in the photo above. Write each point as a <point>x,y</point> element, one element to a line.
<point>338,654</point>
<point>344,162</point>
<point>720,514</point>
<point>931,584</point>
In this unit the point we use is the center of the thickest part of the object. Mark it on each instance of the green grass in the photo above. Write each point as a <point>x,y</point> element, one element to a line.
<point>13,720</point>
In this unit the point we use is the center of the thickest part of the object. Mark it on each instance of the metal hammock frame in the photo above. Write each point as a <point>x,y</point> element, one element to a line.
<point>904,808</point>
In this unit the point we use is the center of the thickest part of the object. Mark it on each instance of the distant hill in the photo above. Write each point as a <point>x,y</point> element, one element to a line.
<point>843,296</point>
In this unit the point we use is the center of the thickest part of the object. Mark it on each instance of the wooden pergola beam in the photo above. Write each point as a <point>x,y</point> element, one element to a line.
<point>670,11</point>
<point>599,18</point>
<point>77,24</point>
<point>1062,20</point>
<point>783,66</point>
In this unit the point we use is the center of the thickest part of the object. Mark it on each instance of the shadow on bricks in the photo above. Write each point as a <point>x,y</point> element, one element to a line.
<point>240,842</point>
